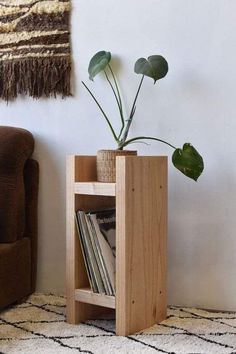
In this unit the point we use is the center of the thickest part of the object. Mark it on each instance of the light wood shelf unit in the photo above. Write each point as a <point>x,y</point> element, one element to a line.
<point>140,198</point>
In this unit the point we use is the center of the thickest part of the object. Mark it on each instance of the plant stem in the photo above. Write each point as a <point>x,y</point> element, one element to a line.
<point>117,89</point>
<point>104,114</point>
<point>117,99</point>
<point>126,132</point>
<point>113,90</point>
<point>135,99</point>
<point>146,138</point>
<point>120,101</point>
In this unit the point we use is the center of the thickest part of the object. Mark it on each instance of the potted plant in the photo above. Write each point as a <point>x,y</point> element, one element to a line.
<point>187,160</point>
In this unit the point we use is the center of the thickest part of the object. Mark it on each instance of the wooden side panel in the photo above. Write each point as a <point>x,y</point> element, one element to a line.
<point>141,212</point>
<point>79,169</point>
<point>72,248</point>
<point>85,168</point>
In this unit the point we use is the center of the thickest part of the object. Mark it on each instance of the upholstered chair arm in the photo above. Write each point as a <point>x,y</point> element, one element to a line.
<point>16,146</point>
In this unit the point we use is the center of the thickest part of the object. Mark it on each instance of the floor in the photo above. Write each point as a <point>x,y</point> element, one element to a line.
<point>38,326</point>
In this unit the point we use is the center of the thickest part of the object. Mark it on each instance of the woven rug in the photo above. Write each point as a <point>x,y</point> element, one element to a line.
<point>34,48</point>
<point>38,326</point>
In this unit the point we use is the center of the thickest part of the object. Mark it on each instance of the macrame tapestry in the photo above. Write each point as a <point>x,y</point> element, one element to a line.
<point>35,55</point>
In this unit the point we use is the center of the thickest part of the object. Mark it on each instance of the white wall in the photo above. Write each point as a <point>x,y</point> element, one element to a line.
<point>195,102</point>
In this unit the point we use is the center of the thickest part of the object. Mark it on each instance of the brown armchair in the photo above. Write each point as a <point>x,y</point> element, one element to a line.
<point>19,177</point>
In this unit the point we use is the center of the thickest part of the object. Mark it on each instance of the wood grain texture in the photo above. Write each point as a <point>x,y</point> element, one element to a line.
<point>79,169</point>
<point>141,208</point>
<point>141,214</point>
<point>95,188</point>
<point>72,247</point>
<point>88,296</point>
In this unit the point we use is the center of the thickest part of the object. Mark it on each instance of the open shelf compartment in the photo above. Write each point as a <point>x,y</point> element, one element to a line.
<point>140,198</point>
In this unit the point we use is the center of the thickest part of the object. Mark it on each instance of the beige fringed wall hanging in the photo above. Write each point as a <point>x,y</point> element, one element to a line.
<point>35,55</point>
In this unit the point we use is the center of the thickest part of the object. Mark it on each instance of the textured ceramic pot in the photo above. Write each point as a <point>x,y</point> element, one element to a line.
<point>106,163</point>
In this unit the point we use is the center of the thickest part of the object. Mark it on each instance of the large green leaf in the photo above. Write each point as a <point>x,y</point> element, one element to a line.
<point>98,63</point>
<point>188,161</point>
<point>154,66</point>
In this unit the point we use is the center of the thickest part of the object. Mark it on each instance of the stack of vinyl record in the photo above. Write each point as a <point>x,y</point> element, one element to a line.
<point>97,238</point>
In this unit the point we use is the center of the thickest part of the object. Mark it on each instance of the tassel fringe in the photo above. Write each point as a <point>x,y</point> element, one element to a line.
<point>36,77</point>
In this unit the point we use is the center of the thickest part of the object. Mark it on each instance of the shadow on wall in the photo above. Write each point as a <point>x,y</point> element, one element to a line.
<point>201,244</point>
<point>52,209</point>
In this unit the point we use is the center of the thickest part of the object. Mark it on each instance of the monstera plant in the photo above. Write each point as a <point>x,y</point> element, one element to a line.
<point>185,159</point>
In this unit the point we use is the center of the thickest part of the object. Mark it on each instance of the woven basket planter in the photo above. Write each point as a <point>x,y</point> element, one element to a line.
<point>106,163</point>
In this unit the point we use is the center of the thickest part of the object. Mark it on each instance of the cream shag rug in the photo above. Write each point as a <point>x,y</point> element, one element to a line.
<point>38,326</point>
